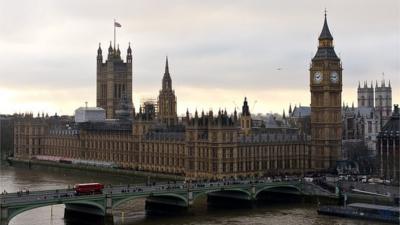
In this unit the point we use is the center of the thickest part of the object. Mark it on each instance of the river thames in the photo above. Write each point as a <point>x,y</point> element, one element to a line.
<point>13,179</point>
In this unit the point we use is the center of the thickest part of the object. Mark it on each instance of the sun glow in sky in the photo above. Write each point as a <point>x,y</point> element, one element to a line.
<point>219,51</point>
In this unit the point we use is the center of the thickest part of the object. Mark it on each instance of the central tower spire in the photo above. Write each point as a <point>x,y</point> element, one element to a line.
<point>166,66</point>
<point>167,82</point>
<point>167,99</point>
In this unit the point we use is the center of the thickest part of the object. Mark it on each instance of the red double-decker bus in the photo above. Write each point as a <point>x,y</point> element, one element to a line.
<point>88,188</point>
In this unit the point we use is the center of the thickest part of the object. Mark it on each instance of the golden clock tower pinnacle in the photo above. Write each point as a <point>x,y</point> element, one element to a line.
<point>326,91</point>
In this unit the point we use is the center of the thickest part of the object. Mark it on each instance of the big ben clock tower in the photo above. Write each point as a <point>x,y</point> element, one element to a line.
<point>326,91</point>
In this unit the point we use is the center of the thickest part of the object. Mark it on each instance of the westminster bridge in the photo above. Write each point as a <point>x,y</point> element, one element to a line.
<point>177,194</point>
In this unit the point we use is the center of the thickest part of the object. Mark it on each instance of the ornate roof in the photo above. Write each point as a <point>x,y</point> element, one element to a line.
<point>301,111</point>
<point>325,33</point>
<point>325,51</point>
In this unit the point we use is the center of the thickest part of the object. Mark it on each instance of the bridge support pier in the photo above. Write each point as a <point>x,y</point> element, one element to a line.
<point>108,217</point>
<point>190,198</point>
<point>229,199</point>
<point>253,193</point>
<point>165,206</point>
<point>3,215</point>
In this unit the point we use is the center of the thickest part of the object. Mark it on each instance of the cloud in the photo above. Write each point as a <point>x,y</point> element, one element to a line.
<point>224,48</point>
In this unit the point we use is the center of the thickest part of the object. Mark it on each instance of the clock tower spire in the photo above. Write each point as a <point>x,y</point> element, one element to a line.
<point>326,91</point>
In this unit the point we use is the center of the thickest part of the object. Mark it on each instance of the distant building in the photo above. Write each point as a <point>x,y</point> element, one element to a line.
<point>6,136</point>
<point>388,147</point>
<point>383,100</point>
<point>365,121</point>
<point>365,96</point>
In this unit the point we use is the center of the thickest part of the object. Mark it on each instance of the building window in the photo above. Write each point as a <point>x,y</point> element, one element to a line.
<point>369,127</point>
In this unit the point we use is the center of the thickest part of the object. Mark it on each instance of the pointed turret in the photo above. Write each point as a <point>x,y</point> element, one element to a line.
<point>166,66</point>
<point>235,115</point>
<point>110,49</point>
<point>129,51</point>
<point>129,54</point>
<point>245,108</point>
<point>325,47</point>
<point>325,33</point>
<point>118,52</point>
<point>99,51</point>
<point>166,82</point>
<point>99,54</point>
<point>245,119</point>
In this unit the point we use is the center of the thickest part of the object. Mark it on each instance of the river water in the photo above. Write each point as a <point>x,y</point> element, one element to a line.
<point>132,213</point>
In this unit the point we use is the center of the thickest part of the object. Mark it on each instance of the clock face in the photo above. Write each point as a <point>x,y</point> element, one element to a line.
<point>334,77</point>
<point>317,77</point>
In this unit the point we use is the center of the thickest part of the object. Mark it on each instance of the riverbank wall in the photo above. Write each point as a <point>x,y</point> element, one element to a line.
<point>37,164</point>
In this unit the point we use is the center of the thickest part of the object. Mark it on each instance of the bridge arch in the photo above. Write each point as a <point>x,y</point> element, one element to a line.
<point>132,197</point>
<point>287,187</point>
<point>15,211</point>
<point>202,193</point>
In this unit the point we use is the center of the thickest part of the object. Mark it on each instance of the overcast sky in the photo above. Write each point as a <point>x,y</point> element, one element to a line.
<point>219,51</point>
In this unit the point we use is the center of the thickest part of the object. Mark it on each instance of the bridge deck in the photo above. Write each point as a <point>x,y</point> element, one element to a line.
<point>12,204</point>
<point>12,199</point>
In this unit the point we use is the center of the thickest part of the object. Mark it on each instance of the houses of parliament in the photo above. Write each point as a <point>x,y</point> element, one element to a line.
<point>199,145</point>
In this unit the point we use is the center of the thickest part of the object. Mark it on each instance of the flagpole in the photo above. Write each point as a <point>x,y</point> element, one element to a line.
<point>114,35</point>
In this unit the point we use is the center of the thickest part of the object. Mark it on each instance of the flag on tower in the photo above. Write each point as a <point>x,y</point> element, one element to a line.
<point>116,24</point>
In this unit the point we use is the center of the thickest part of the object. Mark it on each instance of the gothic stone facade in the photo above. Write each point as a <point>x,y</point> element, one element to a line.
<point>114,80</point>
<point>203,147</point>
<point>326,90</point>
<point>365,121</point>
